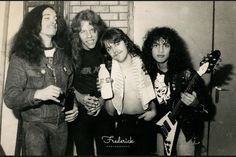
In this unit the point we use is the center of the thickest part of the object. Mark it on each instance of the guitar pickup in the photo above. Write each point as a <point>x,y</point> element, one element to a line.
<point>167,126</point>
<point>173,121</point>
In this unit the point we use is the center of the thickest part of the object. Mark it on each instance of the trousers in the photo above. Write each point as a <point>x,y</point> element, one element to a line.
<point>134,136</point>
<point>41,138</point>
<point>86,130</point>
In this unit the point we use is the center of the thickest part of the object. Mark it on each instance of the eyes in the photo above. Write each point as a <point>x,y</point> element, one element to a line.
<point>49,19</point>
<point>109,46</point>
<point>156,45</point>
<point>91,31</point>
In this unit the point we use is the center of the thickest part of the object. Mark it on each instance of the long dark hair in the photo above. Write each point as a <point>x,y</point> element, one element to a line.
<point>114,35</point>
<point>27,43</point>
<point>179,58</point>
<point>95,20</point>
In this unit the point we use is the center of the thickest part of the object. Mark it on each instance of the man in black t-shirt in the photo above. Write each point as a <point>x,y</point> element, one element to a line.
<point>93,121</point>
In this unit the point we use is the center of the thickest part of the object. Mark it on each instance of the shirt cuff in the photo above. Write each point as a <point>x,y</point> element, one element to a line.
<point>32,101</point>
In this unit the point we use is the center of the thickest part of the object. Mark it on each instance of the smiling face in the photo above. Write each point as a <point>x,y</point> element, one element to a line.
<point>161,50</point>
<point>48,23</point>
<point>118,50</point>
<point>88,35</point>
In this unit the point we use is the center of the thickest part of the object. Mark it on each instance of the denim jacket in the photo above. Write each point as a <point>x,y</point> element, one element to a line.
<point>24,79</point>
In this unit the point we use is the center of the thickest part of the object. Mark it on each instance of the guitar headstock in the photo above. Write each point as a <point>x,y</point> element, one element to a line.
<point>208,63</point>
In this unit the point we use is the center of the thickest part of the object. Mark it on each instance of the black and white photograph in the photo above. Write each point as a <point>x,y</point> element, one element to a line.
<point>117,78</point>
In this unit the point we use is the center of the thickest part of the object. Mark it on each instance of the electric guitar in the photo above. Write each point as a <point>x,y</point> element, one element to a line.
<point>168,123</point>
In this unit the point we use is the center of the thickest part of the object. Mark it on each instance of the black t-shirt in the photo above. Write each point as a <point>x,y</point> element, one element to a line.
<point>86,75</point>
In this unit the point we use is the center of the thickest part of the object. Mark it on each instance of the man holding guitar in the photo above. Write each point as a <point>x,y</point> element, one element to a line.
<point>182,98</point>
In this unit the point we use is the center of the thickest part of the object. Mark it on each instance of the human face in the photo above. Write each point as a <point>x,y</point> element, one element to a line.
<point>118,51</point>
<point>88,35</point>
<point>48,23</point>
<point>161,50</point>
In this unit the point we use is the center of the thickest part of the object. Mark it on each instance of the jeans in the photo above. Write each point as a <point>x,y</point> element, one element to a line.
<point>42,138</point>
<point>85,129</point>
<point>134,136</point>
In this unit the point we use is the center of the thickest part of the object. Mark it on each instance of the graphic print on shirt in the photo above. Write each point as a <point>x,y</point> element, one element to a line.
<point>161,89</point>
<point>90,70</point>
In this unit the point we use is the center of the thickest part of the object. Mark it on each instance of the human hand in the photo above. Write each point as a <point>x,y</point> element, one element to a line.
<point>98,83</point>
<point>49,93</point>
<point>95,110</point>
<point>90,101</point>
<point>71,115</point>
<point>148,115</point>
<point>189,99</point>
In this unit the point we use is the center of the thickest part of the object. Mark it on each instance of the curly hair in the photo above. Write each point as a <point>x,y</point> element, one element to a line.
<point>179,58</point>
<point>98,24</point>
<point>27,43</point>
<point>114,35</point>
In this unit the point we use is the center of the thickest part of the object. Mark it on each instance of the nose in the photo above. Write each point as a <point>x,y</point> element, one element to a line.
<point>89,34</point>
<point>114,50</point>
<point>161,48</point>
<point>54,21</point>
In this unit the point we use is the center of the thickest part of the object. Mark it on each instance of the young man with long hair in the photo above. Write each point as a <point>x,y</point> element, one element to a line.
<point>132,104</point>
<point>93,122</point>
<point>40,74</point>
<point>169,64</point>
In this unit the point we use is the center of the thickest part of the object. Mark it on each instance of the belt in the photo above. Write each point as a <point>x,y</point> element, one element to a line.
<point>129,119</point>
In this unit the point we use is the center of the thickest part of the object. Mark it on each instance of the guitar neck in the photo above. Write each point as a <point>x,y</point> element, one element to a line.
<point>189,89</point>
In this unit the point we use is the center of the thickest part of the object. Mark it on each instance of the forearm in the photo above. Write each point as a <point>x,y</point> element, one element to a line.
<point>79,96</point>
<point>16,99</point>
<point>109,107</point>
<point>16,94</point>
<point>152,106</point>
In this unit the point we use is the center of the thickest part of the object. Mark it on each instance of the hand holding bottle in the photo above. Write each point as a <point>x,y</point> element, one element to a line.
<point>99,84</point>
<point>49,93</point>
<point>105,82</point>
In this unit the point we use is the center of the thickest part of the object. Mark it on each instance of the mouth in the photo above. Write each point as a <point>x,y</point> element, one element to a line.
<point>160,56</point>
<point>90,41</point>
<point>117,54</point>
<point>53,27</point>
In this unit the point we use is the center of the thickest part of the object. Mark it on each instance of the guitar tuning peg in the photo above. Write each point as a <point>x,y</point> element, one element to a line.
<point>202,62</point>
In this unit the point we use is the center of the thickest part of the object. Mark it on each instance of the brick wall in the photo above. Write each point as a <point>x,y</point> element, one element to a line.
<point>114,13</point>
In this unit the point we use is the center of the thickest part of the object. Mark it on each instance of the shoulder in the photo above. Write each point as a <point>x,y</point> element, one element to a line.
<point>14,58</point>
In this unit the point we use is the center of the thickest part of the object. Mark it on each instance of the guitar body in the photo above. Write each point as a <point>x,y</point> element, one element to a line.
<point>168,123</point>
<point>168,127</point>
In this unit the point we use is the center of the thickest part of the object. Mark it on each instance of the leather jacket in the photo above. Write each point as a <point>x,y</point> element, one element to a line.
<point>191,119</point>
<point>24,79</point>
